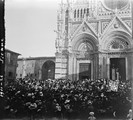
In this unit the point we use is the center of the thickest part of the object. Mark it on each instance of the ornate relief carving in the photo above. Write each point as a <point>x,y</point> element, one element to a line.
<point>126,11</point>
<point>85,47</point>
<point>117,54</point>
<point>115,4</point>
<point>95,26</point>
<point>85,28</point>
<point>103,10</point>
<point>65,52</point>
<point>119,23</point>
<point>84,50</point>
<point>84,55</point>
<point>129,23</point>
<point>117,45</point>
<point>74,28</point>
<point>116,23</point>
<point>104,25</point>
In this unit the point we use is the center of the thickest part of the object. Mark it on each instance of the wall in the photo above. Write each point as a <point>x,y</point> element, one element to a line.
<point>32,66</point>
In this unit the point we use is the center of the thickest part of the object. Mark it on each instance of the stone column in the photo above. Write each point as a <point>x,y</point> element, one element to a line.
<point>127,63</point>
<point>74,68</point>
<point>100,66</point>
<point>58,66</point>
<point>61,65</point>
<point>108,68</point>
<point>132,80</point>
<point>132,51</point>
<point>97,67</point>
<point>129,67</point>
<point>93,67</point>
<point>70,67</point>
<point>104,66</point>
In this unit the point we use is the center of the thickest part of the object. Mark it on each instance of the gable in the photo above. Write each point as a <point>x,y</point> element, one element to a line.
<point>85,28</point>
<point>116,24</point>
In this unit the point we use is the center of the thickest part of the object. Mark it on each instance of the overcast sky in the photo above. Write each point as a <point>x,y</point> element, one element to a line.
<point>30,26</point>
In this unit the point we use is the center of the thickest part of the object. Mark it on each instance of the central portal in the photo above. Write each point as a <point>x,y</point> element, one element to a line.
<point>84,71</point>
<point>117,68</point>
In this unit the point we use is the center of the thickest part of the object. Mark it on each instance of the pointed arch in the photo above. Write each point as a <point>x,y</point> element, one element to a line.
<point>117,36</point>
<point>85,37</point>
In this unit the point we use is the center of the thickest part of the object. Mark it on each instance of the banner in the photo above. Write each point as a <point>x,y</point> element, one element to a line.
<point>113,85</point>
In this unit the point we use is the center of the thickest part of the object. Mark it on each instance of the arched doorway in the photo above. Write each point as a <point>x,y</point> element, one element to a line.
<point>48,70</point>
<point>118,65</point>
<point>84,47</point>
<point>117,47</point>
<point>118,60</point>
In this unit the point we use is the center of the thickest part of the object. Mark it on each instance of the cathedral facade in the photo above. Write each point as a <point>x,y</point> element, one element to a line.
<point>94,40</point>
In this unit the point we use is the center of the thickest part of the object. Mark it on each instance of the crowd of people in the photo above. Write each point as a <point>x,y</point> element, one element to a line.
<point>67,98</point>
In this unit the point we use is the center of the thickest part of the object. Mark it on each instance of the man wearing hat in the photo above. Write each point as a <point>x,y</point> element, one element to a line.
<point>129,116</point>
<point>91,116</point>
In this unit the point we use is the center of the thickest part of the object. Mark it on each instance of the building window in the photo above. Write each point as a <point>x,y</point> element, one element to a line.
<point>87,11</point>
<point>20,75</point>
<point>11,62</point>
<point>8,57</point>
<point>84,11</point>
<point>75,14</point>
<point>78,14</point>
<point>10,74</point>
<point>81,13</point>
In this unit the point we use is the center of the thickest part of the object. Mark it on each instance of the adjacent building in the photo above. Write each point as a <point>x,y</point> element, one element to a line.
<point>11,58</point>
<point>40,68</point>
